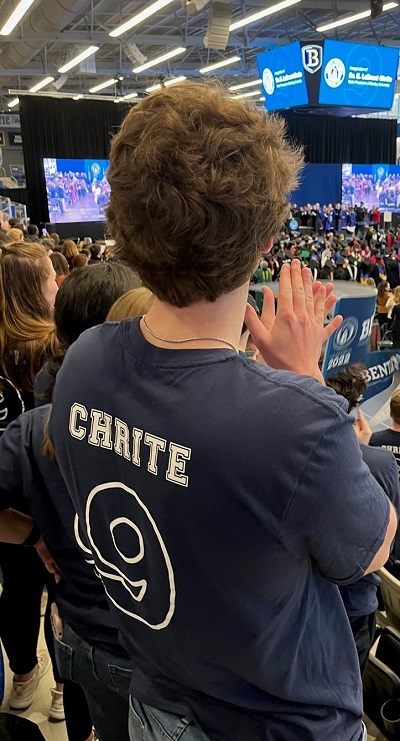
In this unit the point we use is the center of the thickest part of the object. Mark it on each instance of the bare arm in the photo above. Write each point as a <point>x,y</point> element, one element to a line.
<point>383,554</point>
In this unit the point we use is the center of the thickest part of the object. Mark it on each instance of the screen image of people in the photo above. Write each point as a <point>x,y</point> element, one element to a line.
<point>374,185</point>
<point>77,190</point>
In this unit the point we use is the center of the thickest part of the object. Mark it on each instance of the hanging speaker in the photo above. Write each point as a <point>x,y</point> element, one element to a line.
<point>376,8</point>
<point>218,25</point>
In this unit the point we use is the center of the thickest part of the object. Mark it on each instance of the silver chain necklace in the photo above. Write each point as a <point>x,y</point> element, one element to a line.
<point>188,339</point>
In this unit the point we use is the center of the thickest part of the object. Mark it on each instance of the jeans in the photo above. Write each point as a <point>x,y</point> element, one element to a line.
<point>105,680</point>
<point>150,724</point>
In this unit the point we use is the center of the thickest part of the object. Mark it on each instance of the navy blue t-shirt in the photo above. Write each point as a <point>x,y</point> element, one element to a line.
<point>12,402</point>
<point>361,598</point>
<point>32,483</point>
<point>223,502</point>
<point>389,440</point>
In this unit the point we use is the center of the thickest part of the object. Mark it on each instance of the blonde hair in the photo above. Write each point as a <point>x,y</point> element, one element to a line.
<point>27,332</point>
<point>396,294</point>
<point>370,282</point>
<point>134,303</point>
<point>15,234</point>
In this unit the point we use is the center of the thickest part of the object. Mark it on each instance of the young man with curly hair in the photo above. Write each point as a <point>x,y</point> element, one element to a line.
<point>207,488</point>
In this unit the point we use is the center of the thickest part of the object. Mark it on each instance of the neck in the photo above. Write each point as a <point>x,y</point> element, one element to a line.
<point>221,319</point>
<point>395,427</point>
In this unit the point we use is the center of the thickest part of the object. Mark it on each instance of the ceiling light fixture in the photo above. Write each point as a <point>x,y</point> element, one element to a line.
<point>146,13</point>
<point>103,85</point>
<point>158,60</point>
<point>167,83</point>
<point>130,96</point>
<point>39,85</point>
<point>352,18</point>
<point>78,59</point>
<point>245,84</point>
<point>262,14</point>
<point>218,65</point>
<point>13,103</point>
<point>15,17</point>
<point>262,99</point>
<point>77,97</point>
<point>247,95</point>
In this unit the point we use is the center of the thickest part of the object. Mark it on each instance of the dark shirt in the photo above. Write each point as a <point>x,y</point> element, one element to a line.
<point>32,483</point>
<point>221,526</point>
<point>12,403</point>
<point>361,598</point>
<point>388,439</point>
<point>43,386</point>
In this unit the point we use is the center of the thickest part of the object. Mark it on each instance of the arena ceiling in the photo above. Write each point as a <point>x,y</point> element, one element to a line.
<point>53,31</point>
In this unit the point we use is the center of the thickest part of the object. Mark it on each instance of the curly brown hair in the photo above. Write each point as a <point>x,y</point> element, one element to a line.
<point>199,184</point>
<point>349,382</point>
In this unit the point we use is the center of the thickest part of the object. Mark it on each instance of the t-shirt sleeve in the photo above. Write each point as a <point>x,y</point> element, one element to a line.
<point>338,513</point>
<point>11,484</point>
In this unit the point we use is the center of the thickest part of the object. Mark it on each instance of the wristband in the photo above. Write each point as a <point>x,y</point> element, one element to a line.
<point>33,536</point>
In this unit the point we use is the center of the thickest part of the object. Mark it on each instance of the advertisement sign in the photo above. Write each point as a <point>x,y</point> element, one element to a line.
<point>283,77</point>
<point>358,75</point>
<point>350,343</point>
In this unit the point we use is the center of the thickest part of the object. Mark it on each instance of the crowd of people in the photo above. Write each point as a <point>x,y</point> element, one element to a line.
<point>382,188</point>
<point>352,219</point>
<point>202,545</point>
<point>68,191</point>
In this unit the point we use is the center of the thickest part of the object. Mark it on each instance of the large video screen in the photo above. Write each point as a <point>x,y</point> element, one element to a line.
<point>283,77</point>
<point>77,190</point>
<point>374,185</point>
<point>358,75</point>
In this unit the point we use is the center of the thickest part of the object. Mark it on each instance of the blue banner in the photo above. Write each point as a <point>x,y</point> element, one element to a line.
<point>350,343</point>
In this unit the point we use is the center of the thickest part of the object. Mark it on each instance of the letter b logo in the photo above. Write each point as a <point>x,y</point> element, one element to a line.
<point>312,58</point>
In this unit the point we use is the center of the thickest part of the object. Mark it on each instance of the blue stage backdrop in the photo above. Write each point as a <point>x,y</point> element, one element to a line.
<point>319,184</point>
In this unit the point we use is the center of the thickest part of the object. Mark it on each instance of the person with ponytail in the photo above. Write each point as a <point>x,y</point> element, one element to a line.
<point>27,337</point>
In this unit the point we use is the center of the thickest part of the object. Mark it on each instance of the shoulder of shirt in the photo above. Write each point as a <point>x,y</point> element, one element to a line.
<point>370,453</point>
<point>307,388</point>
<point>381,434</point>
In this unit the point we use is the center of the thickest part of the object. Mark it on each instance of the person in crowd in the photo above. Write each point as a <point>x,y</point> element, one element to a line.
<point>395,325</point>
<point>95,253</point>
<point>370,283</point>
<point>229,588</point>
<point>56,238</point>
<point>392,302</point>
<point>88,650</point>
<point>60,266</point>
<point>80,261</point>
<point>384,295</point>
<point>69,250</point>
<point>48,244</point>
<point>390,438</point>
<point>15,234</point>
<point>27,337</point>
<point>360,599</point>
<point>134,303</point>
<point>83,301</point>
<point>33,233</point>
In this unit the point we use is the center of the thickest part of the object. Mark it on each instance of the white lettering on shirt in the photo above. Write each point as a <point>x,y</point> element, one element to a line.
<point>100,429</point>
<point>114,434</point>
<point>178,455</point>
<point>156,444</point>
<point>78,411</point>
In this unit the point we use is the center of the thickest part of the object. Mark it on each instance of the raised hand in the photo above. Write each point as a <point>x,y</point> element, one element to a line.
<point>292,338</point>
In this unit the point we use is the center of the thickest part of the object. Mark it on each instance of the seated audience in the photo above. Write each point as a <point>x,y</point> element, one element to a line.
<point>79,261</point>
<point>15,234</point>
